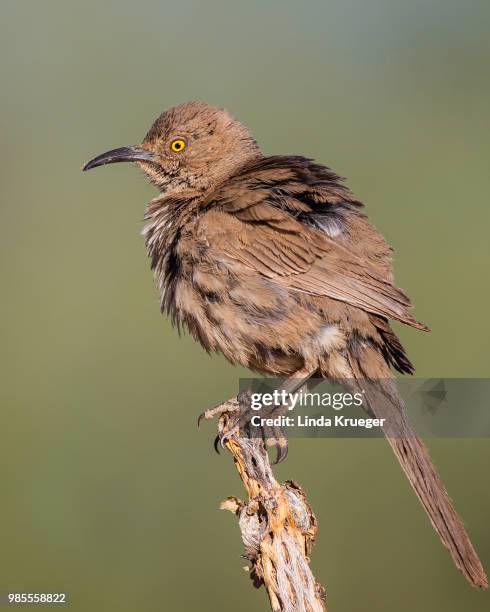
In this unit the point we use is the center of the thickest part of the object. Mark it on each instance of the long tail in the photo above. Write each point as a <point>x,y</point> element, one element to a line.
<point>384,401</point>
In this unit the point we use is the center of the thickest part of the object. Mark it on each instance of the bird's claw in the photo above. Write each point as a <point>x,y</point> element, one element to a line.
<point>280,444</point>
<point>229,406</point>
<point>282,449</point>
<point>276,441</point>
<point>225,436</point>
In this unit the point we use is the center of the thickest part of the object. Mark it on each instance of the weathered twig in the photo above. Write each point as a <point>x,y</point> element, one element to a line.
<point>277,525</point>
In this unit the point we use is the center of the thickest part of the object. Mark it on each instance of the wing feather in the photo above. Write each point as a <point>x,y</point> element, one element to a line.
<point>270,209</point>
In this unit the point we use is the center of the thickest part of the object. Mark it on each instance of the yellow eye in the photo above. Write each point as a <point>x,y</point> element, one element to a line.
<point>177,145</point>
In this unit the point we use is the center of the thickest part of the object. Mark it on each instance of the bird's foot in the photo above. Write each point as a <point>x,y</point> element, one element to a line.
<point>230,405</point>
<point>240,424</point>
<point>236,421</point>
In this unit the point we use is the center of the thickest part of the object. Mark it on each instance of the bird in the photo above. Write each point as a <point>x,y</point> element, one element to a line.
<point>271,261</point>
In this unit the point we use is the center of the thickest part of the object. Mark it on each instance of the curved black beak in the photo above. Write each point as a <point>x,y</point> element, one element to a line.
<point>123,154</point>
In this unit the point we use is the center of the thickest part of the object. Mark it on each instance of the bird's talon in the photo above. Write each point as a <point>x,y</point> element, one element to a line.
<point>227,435</point>
<point>281,446</point>
<point>281,453</point>
<point>217,411</point>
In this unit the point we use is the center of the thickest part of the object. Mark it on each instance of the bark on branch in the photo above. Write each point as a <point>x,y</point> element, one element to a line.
<point>278,527</point>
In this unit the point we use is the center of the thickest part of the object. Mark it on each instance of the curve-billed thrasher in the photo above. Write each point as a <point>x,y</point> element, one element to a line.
<point>272,262</point>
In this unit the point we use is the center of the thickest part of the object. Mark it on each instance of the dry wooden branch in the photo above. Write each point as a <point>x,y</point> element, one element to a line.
<point>277,525</point>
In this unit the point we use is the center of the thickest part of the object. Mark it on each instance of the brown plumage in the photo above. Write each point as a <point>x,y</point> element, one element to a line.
<point>272,262</point>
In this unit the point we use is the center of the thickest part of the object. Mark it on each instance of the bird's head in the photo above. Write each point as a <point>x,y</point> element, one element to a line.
<point>191,146</point>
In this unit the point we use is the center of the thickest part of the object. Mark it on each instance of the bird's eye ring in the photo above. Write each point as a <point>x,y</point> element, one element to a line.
<point>177,145</point>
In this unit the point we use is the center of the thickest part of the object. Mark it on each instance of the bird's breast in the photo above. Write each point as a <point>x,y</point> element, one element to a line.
<point>248,318</point>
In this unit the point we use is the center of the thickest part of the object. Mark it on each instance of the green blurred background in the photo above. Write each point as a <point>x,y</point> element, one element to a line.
<point>109,491</point>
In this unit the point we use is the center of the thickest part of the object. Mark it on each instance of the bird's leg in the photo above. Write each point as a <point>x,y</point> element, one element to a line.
<point>239,421</point>
<point>274,436</point>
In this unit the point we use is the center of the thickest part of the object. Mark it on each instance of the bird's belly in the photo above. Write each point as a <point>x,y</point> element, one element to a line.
<point>255,322</point>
